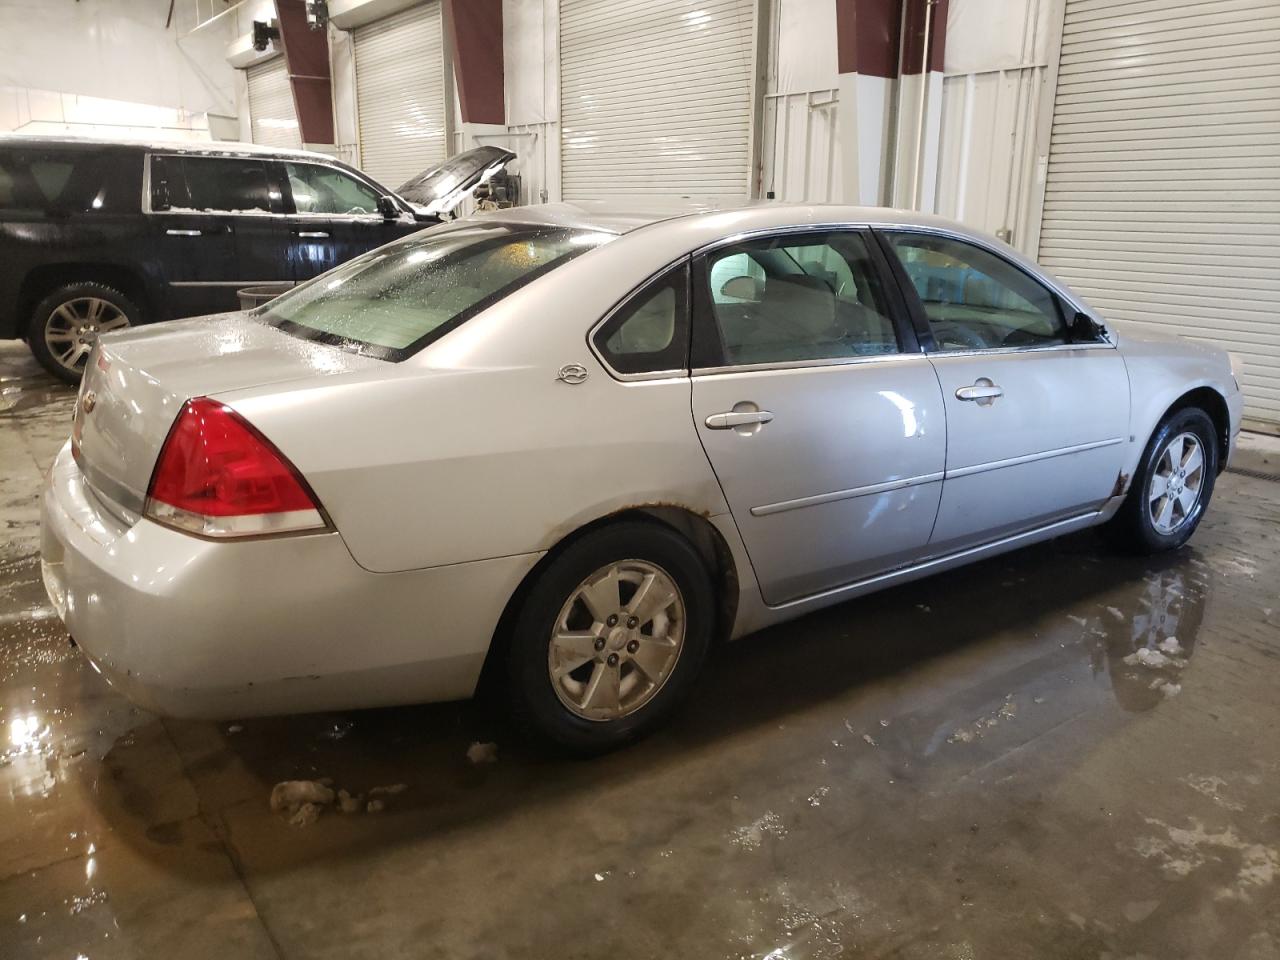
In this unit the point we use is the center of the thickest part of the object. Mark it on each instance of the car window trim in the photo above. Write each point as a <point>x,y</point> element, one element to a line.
<point>705,332</point>
<point>291,208</point>
<point>916,307</point>
<point>684,261</point>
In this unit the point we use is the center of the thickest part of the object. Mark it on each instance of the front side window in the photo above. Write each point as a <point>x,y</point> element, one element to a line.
<point>813,297</point>
<point>975,300</point>
<point>651,331</point>
<point>318,189</point>
<point>393,301</point>
<point>193,184</point>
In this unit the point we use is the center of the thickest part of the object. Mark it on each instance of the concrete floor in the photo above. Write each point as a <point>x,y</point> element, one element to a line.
<point>980,765</point>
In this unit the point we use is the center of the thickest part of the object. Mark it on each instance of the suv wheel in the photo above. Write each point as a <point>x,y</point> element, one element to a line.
<point>1172,488</point>
<point>65,325</point>
<point>610,637</point>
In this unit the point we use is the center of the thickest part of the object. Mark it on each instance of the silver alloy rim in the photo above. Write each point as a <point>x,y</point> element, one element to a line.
<point>1176,482</point>
<point>73,328</point>
<point>616,640</point>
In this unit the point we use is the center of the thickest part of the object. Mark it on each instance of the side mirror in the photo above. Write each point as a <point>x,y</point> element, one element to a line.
<point>389,209</point>
<point>1084,329</point>
<point>741,288</point>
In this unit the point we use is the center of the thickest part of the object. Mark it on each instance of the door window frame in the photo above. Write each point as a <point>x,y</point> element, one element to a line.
<point>274,175</point>
<point>920,321</point>
<point>707,356</point>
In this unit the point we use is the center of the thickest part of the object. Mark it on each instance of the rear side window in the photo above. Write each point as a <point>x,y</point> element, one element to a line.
<point>393,301</point>
<point>69,181</point>
<point>650,332</point>
<point>782,299</point>
<point>213,185</point>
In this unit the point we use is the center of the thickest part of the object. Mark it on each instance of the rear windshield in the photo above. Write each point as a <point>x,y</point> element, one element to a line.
<point>393,301</point>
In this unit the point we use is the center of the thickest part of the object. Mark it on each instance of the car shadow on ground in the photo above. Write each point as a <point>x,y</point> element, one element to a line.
<point>1043,610</point>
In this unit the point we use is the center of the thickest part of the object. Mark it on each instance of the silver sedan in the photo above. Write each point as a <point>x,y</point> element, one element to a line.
<point>569,449</point>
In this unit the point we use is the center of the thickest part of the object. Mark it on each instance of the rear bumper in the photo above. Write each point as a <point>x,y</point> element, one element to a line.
<point>189,627</point>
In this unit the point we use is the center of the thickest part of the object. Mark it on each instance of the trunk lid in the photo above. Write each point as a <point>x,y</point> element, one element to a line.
<point>136,382</point>
<point>440,189</point>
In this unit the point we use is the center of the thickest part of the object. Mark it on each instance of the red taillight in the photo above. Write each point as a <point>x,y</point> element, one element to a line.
<point>218,477</point>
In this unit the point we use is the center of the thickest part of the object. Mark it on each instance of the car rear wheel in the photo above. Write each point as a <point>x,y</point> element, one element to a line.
<point>66,324</point>
<point>1173,484</point>
<point>610,637</point>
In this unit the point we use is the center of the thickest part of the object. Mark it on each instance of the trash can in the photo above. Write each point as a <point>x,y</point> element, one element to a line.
<point>251,297</point>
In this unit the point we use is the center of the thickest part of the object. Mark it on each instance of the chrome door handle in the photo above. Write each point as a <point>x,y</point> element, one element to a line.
<point>741,418</point>
<point>173,232</point>
<point>983,391</point>
<point>320,234</point>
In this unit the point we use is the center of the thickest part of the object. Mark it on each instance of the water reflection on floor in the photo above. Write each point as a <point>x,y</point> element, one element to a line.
<point>1058,753</point>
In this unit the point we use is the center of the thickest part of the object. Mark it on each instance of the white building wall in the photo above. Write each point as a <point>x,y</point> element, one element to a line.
<point>995,101</point>
<point>531,71</point>
<point>104,66</point>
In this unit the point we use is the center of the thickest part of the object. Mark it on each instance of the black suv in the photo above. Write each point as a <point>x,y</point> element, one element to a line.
<point>98,235</point>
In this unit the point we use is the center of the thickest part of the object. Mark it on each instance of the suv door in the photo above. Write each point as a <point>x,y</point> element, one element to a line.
<point>1036,422</point>
<point>195,247</point>
<point>821,419</point>
<point>333,217</point>
<point>220,216</point>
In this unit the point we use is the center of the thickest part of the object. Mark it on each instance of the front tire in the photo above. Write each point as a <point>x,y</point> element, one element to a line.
<point>1172,487</point>
<point>66,324</point>
<point>610,638</point>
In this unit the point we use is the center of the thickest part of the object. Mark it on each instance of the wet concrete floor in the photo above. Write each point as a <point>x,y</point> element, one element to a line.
<point>1057,754</point>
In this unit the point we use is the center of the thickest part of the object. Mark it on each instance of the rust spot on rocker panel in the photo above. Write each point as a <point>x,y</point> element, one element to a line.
<point>1122,483</point>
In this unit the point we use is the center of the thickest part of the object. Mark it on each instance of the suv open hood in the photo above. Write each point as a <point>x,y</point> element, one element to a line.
<point>441,188</point>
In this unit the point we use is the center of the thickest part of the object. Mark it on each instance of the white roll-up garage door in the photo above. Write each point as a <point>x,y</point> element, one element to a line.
<point>272,117</point>
<point>400,93</point>
<point>656,97</point>
<point>1162,203</point>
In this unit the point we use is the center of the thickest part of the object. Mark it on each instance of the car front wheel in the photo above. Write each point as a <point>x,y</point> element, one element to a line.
<point>610,637</point>
<point>1173,484</point>
<point>66,324</point>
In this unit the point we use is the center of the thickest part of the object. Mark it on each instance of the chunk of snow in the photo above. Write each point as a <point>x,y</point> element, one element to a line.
<point>1116,612</point>
<point>291,794</point>
<point>479,753</point>
<point>349,804</point>
<point>1148,658</point>
<point>305,815</point>
<point>390,791</point>
<point>1170,646</point>
<point>375,806</point>
<point>871,740</point>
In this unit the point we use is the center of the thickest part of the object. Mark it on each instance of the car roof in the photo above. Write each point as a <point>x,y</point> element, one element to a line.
<point>218,147</point>
<point>623,217</point>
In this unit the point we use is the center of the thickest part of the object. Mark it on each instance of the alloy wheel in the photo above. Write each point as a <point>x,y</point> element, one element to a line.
<point>73,328</point>
<point>616,640</point>
<point>1173,492</point>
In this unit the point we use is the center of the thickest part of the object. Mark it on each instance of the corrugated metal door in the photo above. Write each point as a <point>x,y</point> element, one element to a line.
<point>655,97</point>
<point>1162,203</point>
<point>400,93</point>
<point>272,118</point>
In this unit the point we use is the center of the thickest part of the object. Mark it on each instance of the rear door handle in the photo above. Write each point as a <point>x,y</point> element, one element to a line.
<point>983,392</point>
<point>175,232</point>
<point>315,234</point>
<point>740,418</point>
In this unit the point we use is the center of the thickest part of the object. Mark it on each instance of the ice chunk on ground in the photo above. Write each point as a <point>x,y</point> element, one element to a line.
<point>1148,658</point>
<point>1170,646</point>
<point>305,815</point>
<point>349,804</point>
<point>375,806</point>
<point>289,795</point>
<point>483,753</point>
<point>390,791</point>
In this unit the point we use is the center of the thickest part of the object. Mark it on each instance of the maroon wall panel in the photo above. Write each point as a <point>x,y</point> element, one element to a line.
<point>306,53</point>
<point>476,28</point>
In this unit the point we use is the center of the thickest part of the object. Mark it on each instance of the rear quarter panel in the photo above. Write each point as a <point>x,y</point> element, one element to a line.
<point>473,449</point>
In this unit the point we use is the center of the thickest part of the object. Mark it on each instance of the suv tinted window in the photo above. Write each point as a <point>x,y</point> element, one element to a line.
<point>69,181</point>
<point>651,331</point>
<point>393,301</point>
<point>214,184</point>
<point>318,189</point>
<point>813,297</point>
<point>975,300</point>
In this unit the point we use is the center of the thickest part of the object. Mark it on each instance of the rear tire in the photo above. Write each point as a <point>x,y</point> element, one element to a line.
<point>610,638</point>
<point>1172,486</point>
<point>65,325</point>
